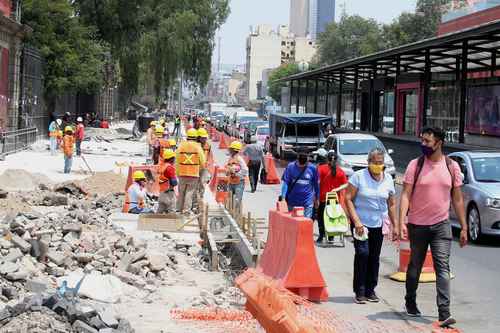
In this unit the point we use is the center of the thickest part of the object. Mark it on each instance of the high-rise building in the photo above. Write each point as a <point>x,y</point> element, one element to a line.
<point>321,13</point>
<point>299,17</point>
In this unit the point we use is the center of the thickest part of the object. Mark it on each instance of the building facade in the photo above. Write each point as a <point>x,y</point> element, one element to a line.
<point>321,13</point>
<point>299,17</point>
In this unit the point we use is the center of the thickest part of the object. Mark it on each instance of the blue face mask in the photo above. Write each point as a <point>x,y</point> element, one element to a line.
<point>427,151</point>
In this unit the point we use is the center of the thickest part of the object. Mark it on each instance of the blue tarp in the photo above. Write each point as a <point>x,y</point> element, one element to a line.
<point>306,118</point>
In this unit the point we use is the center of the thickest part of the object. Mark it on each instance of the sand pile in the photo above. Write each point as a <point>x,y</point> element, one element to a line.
<point>22,180</point>
<point>104,183</point>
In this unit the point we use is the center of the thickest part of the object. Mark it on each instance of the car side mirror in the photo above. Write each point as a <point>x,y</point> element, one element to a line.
<point>390,151</point>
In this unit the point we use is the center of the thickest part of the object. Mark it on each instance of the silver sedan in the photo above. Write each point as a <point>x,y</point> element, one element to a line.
<point>481,172</point>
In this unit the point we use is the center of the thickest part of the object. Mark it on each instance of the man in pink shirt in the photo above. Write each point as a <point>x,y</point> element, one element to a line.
<point>431,183</point>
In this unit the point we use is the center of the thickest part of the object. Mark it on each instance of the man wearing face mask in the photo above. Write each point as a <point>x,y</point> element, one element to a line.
<point>431,183</point>
<point>300,186</point>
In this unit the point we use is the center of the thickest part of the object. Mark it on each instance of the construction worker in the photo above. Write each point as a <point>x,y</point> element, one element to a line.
<point>237,170</point>
<point>204,173</point>
<point>168,180</point>
<point>172,144</point>
<point>190,159</point>
<point>137,194</point>
<point>177,126</point>
<point>157,143</point>
<point>150,137</point>
<point>68,142</point>
<point>79,135</point>
<point>54,128</point>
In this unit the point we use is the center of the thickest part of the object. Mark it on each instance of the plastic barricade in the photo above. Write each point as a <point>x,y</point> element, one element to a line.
<point>223,143</point>
<point>428,274</point>
<point>272,173</point>
<point>290,255</point>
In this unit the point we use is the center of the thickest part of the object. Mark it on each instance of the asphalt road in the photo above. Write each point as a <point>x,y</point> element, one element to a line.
<point>475,296</point>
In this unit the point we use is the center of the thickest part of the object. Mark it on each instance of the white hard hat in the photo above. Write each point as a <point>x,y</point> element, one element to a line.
<point>79,119</point>
<point>321,152</point>
<point>58,121</point>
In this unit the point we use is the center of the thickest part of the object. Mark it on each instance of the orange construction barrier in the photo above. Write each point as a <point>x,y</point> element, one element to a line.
<point>272,173</point>
<point>223,144</point>
<point>428,274</point>
<point>219,184</point>
<point>290,255</point>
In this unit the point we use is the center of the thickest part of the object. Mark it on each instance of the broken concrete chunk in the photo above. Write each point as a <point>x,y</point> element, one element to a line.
<point>5,244</point>
<point>84,258</point>
<point>21,243</point>
<point>3,194</point>
<point>129,278</point>
<point>14,255</point>
<point>108,317</point>
<point>54,199</point>
<point>56,257</point>
<point>157,262</point>
<point>8,267</point>
<point>80,327</point>
<point>138,256</point>
<point>75,227</point>
<point>17,276</point>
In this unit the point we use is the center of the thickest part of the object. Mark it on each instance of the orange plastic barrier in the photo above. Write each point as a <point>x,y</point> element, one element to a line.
<point>268,304</point>
<point>437,329</point>
<point>290,255</point>
<point>272,173</point>
<point>219,184</point>
<point>428,274</point>
<point>223,143</point>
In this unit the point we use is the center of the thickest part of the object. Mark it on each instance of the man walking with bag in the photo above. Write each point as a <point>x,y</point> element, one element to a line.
<point>255,156</point>
<point>431,182</point>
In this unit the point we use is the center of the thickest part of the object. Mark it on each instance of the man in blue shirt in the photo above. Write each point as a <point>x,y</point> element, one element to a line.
<point>299,185</point>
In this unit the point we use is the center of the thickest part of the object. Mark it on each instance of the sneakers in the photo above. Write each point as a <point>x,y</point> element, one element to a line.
<point>359,299</point>
<point>319,241</point>
<point>412,310</point>
<point>447,322</point>
<point>373,298</point>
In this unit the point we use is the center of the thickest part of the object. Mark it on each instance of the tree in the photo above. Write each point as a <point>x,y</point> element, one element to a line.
<point>73,56</point>
<point>353,36</point>
<point>274,85</point>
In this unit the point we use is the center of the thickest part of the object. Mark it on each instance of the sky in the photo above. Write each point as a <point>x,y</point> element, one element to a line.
<point>246,13</point>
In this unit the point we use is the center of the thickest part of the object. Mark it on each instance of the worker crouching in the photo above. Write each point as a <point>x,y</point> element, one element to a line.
<point>137,194</point>
<point>237,170</point>
<point>190,159</point>
<point>168,182</point>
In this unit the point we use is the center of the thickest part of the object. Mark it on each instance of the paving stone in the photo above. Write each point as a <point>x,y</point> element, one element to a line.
<point>21,243</point>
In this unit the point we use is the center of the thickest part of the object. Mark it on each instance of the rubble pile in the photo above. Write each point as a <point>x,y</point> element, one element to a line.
<point>22,180</point>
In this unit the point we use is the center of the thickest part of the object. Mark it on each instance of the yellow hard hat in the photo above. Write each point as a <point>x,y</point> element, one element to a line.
<point>202,133</point>
<point>168,154</point>
<point>139,175</point>
<point>192,133</point>
<point>159,130</point>
<point>172,142</point>
<point>153,123</point>
<point>236,145</point>
<point>68,129</point>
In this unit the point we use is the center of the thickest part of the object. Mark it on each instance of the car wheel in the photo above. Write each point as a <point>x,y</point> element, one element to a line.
<point>474,224</point>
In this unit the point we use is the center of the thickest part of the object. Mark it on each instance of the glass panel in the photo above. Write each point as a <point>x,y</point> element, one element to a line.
<point>444,109</point>
<point>483,110</point>
<point>487,169</point>
<point>410,112</point>
<point>359,146</point>
<point>387,112</point>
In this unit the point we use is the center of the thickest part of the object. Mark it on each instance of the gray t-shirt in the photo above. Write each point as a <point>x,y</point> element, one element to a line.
<point>254,152</point>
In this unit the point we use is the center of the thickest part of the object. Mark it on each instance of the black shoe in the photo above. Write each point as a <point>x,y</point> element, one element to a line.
<point>412,310</point>
<point>373,298</point>
<point>319,241</point>
<point>447,322</point>
<point>360,299</point>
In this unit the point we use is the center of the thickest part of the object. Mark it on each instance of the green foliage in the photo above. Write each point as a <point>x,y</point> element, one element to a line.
<point>73,56</point>
<point>274,85</point>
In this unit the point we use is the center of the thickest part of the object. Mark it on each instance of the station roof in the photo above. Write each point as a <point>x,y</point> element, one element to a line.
<point>444,55</point>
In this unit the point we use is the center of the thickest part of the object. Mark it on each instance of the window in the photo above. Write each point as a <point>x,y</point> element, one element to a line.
<point>486,169</point>
<point>386,107</point>
<point>263,131</point>
<point>443,109</point>
<point>358,146</point>
<point>483,110</point>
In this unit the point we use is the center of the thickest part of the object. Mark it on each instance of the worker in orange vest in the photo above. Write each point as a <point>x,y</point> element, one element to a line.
<point>68,141</point>
<point>237,170</point>
<point>137,194</point>
<point>190,160</point>
<point>168,181</point>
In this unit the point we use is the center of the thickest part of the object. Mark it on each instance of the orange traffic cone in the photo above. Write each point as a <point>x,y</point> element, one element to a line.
<point>272,174</point>
<point>428,274</point>
<point>223,142</point>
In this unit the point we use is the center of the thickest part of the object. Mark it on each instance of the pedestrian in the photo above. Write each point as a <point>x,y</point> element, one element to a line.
<point>104,124</point>
<point>68,141</point>
<point>137,194</point>
<point>371,203</point>
<point>168,181</point>
<point>431,183</point>
<point>255,156</point>
<point>79,135</point>
<point>237,170</point>
<point>177,126</point>
<point>331,177</point>
<point>189,161</point>
<point>54,128</point>
<point>300,185</point>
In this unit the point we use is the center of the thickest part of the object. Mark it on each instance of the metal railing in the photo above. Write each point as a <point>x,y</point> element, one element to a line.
<point>14,141</point>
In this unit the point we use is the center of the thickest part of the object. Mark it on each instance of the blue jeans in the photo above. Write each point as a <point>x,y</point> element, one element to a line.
<point>367,262</point>
<point>78,147</point>
<point>236,191</point>
<point>308,211</point>
<point>68,162</point>
<point>53,145</point>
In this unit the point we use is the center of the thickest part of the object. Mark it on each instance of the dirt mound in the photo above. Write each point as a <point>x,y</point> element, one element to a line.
<point>104,183</point>
<point>22,180</point>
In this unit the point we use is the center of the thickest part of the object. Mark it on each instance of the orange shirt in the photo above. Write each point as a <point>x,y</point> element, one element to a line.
<point>67,145</point>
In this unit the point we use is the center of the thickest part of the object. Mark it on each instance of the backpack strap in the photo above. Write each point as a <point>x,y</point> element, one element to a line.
<point>418,170</point>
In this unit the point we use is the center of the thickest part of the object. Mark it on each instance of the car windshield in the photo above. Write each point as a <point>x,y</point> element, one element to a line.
<point>486,169</point>
<point>358,146</point>
<point>263,131</point>
<point>248,119</point>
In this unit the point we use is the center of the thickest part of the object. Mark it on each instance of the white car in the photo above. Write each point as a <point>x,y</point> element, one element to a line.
<point>352,151</point>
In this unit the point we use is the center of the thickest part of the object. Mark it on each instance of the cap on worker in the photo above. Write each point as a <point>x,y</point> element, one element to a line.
<point>138,175</point>
<point>168,154</point>
<point>236,145</point>
<point>79,119</point>
<point>192,133</point>
<point>172,142</point>
<point>159,130</point>
<point>68,129</point>
<point>321,152</point>
<point>202,133</point>
<point>59,122</point>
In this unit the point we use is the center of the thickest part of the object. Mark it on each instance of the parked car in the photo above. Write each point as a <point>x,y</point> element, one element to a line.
<point>481,174</point>
<point>250,128</point>
<point>352,151</point>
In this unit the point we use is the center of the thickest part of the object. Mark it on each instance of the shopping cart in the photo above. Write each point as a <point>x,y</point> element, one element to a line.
<point>336,221</point>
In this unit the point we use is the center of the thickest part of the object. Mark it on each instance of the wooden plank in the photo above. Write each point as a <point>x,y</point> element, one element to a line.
<point>166,223</point>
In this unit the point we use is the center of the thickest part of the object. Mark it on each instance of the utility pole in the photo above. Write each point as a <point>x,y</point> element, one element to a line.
<point>181,79</point>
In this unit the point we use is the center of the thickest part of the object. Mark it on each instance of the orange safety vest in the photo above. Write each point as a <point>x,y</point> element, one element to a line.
<point>164,182</point>
<point>188,159</point>
<point>163,145</point>
<point>233,179</point>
